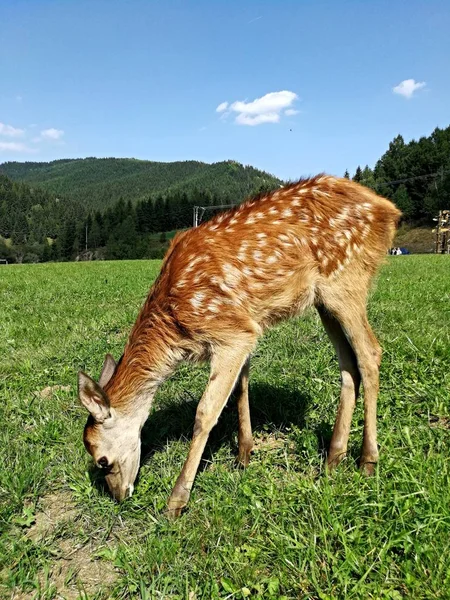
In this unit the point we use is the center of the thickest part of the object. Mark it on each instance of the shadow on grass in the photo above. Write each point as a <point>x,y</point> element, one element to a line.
<point>272,409</point>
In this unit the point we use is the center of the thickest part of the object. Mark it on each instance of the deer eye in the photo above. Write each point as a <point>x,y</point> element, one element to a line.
<point>103,462</point>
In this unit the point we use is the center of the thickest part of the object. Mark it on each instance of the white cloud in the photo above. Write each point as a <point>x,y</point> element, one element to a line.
<point>290,112</point>
<point>14,147</point>
<point>222,106</point>
<point>246,119</point>
<point>267,109</point>
<point>10,131</point>
<point>52,134</point>
<point>407,87</point>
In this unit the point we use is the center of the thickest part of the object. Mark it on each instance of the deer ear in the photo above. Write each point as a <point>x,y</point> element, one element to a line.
<point>108,369</point>
<point>93,398</point>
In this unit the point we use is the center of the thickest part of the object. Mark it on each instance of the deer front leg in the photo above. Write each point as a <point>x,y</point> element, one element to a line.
<point>226,365</point>
<point>245,438</point>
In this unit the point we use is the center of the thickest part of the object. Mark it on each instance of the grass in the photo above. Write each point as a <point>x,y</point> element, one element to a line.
<point>280,529</point>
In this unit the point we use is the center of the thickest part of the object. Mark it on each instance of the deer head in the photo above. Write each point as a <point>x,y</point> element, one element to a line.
<point>112,437</point>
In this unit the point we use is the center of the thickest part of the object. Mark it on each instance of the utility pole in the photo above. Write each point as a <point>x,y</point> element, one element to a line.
<point>442,232</point>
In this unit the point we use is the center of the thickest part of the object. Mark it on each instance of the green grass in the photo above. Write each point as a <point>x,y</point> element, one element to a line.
<point>280,529</point>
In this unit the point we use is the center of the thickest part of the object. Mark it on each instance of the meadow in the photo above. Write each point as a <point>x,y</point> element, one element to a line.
<point>281,529</point>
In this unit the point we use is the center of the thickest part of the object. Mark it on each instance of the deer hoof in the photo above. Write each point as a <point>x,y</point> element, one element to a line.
<point>243,459</point>
<point>368,468</point>
<point>335,459</point>
<point>174,509</point>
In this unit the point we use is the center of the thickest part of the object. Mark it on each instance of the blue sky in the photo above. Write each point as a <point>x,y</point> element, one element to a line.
<point>144,79</point>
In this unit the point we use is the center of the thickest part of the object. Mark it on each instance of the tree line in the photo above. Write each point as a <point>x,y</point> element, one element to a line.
<point>415,175</point>
<point>36,225</point>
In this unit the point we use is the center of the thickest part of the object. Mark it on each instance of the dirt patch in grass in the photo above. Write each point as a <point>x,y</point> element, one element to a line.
<point>77,571</point>
<point>268,442</point>
<point>56,510</point>
<point>48,391</point>
<point>436,421</point>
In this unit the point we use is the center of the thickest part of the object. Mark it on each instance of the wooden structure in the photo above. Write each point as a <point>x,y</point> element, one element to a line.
<point>442,231</point>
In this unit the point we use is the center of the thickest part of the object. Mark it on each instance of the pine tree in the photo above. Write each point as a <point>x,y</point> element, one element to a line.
<point>403,201</point>
<point>358,174</point>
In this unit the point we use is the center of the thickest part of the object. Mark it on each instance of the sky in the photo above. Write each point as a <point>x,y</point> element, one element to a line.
<point>292,87</point>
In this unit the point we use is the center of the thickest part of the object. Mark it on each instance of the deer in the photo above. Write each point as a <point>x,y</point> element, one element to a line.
<point>314,243</point>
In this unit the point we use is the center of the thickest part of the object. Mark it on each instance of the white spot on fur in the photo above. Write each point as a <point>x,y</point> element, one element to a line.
<point>257,255</point>
<point>193,262</point>
<point>272,259</point>
<point>250,220</point>
<point>232,275</point>
<point>287,212</point>
<point>197,299</point>
<point>261,235</point>
<point>343,214</point>
<point>273,211</point>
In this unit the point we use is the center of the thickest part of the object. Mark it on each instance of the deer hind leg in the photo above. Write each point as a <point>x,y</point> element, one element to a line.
<point>350,311</point>
<point>245,438</point>
<point>226,366</point>
<point>350,382</point>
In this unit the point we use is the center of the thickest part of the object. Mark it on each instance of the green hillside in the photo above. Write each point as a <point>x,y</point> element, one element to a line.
<point>100,182</point>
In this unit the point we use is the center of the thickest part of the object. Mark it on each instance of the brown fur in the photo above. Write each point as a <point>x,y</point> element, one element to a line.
<point>315,242</point>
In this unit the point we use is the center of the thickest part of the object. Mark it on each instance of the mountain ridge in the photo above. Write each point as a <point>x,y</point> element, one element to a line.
<point>99,182</point>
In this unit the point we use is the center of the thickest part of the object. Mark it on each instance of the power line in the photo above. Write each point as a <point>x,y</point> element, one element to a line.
<point>406,179</point>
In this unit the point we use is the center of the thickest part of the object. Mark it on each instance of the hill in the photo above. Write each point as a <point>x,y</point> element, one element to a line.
<point>98,183</point>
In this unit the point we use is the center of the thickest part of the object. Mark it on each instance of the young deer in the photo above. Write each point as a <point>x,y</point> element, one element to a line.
<point>316,242</point>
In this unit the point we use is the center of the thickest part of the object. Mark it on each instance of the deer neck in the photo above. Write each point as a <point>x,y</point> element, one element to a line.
<point>152,352</point>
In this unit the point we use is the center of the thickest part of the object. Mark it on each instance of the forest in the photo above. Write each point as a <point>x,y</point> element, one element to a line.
<point>125,208</point>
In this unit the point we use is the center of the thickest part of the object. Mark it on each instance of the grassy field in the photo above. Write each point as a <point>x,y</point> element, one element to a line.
<point>282,529</point>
